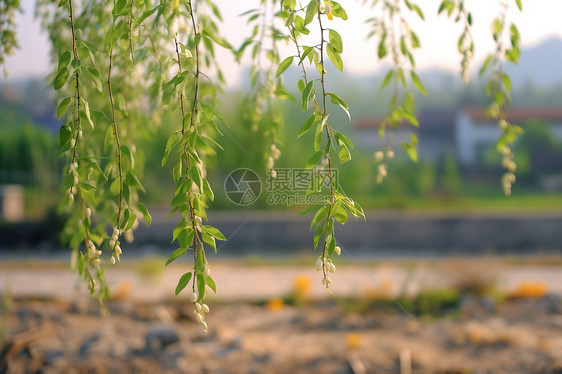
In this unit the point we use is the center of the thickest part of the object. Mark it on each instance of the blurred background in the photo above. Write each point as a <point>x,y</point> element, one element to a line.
<point>446,275</point>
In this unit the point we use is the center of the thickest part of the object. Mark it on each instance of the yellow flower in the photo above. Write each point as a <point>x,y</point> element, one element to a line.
<point>328,6</point>
<point>275,305</point>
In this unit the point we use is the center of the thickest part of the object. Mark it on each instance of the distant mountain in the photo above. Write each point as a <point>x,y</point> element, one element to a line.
<point>540,65</point>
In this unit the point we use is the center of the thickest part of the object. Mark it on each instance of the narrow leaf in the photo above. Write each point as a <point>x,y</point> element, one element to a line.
<point>182,283</point>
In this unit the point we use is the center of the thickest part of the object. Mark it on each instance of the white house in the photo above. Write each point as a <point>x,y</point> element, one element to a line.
<point>465,133</point>
<point>474,132</point>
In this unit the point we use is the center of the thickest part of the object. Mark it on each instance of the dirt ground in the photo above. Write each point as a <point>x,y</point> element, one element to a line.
<point>361,332</point>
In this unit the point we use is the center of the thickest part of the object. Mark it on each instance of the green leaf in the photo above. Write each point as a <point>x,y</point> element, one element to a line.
<point>61,78</point>
<point>185,237</point>
<point>311,11</point>
<point>307,125</point>
<point>344,154</point>
<point>334,57</point>
<point>305,96</point>
<point>387,78</point>
<point>284,65</point>
<point>127,152</point>
<point>314,160</point>
<point>300,26</point>
<point>147,217</point>
<point>339,101</point>
<point>506,82</point>
<point>177,253</point>
<point>309,209</point>
<point>96,78</point>
<point>410,148</point>
<point>519,4</point>
<point>335,41</point>
<point>64,59</point>
<point>340,214</point>
<point>418,10</point>
<point>317,234</point>
<point>320,215</point>
<point>62,106</point>
<point>118,8</point>
<point>418,83</point>
<point>65,133</point>
<point>173,140</point>
<point>209,240</point>
<point>338,11</point>
<point>201,286</point>
<point>318,136</point>
<point>211,283</point>
<point>410,117</point>
<point>381,50</point>
<point>184,280</point>
<point>306,53</point>
<point>344,139</point>
<point>485,65</point>
<point>213,231</point>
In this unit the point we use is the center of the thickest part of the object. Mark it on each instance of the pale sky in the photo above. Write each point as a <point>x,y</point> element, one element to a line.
<point>539,21</point>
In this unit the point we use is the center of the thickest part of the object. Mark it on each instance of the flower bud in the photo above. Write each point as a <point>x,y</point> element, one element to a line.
<point>194,297</point>
<point>71,197</point>
<point>72,143</point>
<point>199,317</point>
<point>174,27</point>
<point>80,134</point>
<point>112,260</point>
<point>88,212</point>
<point>198,307</point>
<point>204,324</point>
<point>503,124</point>
<point>273,174</point>
<point>118,249</point>
<point>331,267</point>
<point>319,264</point>
<point>112,243</point>
<point>205,308</point>
<point>270,162</point>
<point>97,261</point>
<point>379,156</point>
<point>73,190</point>
<point>337,250</point>
<point>390,154</point>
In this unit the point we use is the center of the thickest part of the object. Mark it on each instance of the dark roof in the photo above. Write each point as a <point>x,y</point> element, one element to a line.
<point>429,119</point>
<point>519,115</point>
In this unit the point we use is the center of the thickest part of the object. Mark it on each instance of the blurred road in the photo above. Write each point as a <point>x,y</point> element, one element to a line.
<point>236,281</point>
